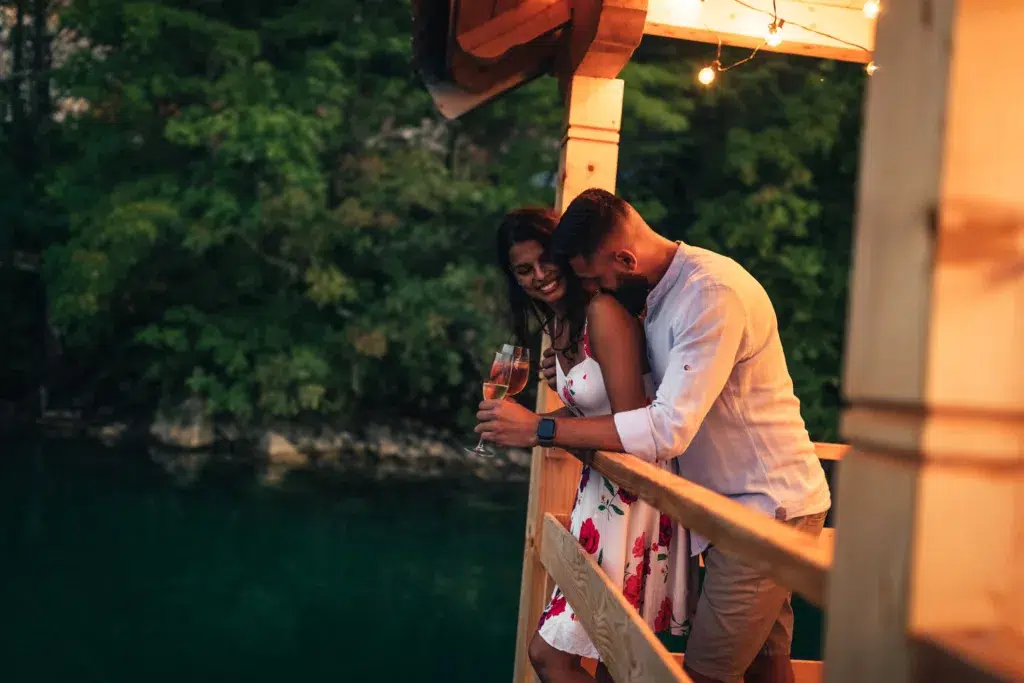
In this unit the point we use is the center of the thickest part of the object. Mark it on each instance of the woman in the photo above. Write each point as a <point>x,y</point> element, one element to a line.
<point>601,358</point>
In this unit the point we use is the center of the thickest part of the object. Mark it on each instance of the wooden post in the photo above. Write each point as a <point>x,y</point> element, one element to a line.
<point>930,534</point>
<point>589,158</point>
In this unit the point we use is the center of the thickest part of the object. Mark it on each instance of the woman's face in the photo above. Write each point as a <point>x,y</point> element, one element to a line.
<point>538,277</point>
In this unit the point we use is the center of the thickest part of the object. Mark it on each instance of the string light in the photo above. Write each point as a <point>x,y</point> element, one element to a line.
<point>707,75</point>
<point>773,38</point>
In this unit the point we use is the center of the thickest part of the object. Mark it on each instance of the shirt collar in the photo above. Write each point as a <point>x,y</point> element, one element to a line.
<point>667,281</point>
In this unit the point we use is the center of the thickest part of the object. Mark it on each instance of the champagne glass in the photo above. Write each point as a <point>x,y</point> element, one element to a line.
<point>520,368</point>
<point>495,389</point>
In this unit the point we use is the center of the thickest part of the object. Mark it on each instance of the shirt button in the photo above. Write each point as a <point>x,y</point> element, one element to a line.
<point>780,514</point>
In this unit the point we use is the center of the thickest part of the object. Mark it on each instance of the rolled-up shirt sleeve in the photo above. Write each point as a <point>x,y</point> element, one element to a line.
<point>707,338</point>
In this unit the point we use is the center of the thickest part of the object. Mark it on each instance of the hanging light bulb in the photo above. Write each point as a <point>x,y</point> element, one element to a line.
<point>871,67</point>
<point>706,76</point>
<point>774,36</point>
<point>871,8</point>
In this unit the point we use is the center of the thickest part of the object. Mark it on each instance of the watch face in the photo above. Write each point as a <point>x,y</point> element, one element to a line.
<point>546,429</point>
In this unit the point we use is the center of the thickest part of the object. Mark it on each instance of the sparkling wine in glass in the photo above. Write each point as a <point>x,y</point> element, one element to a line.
<point>520,368</point>
<point>495,389</point>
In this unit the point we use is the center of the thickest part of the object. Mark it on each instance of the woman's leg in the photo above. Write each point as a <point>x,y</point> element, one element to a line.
<point>555,666</point>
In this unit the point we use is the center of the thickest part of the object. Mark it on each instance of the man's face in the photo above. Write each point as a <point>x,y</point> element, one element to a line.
<point>614,271</point>
<point>606,270</point>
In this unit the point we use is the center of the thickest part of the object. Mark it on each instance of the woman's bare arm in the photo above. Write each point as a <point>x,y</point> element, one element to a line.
<point>617,344</point>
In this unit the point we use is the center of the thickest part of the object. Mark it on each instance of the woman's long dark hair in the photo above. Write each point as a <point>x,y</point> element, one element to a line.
<point>533,224</point>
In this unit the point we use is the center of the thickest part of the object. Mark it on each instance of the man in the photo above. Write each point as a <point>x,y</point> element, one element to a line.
<point>725,407</point>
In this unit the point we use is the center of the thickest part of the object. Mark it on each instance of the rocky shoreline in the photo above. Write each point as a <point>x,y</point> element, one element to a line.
<point>185,442</point>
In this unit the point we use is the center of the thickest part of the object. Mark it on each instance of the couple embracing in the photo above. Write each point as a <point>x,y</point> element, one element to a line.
<point>670,353</point>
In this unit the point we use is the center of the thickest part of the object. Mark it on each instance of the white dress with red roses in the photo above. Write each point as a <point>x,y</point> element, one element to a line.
<point>644,552</point>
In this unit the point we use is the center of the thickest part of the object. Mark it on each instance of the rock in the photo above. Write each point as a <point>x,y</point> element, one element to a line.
<point>520,458</point>
<point>112,433</point>
<point>187,426</point>
<point>280,451</point>
<point>387,447</point>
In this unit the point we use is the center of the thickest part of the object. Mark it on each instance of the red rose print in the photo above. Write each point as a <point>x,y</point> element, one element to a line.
<point>665,530</point>
<point>554,608</point>
<point>626,497</point>
<point>631,589</point>
<point>584,477</point>
<point>639,545</point>
<point>590,537</point>
<point>663,621</point>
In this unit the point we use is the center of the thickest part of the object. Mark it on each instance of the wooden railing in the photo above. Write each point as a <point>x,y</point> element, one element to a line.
<point>628,647</point>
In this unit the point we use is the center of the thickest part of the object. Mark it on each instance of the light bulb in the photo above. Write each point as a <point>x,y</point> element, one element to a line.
<point>706,75</point>
<point>871,67</point>
<point>871,8</point>
<point>774,36</point>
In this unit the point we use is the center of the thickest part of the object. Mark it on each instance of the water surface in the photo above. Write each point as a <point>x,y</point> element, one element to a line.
<point>113,573</point>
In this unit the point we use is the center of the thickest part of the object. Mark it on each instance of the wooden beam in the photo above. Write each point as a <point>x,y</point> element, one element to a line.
<point>969,657</point>
<point>604,35</point>
<point>517,25</point>
<point>590,148</point>
<point>707,21</point>
<point>934,372</point>
<point>795,559</point>
<point>804,670</point>
<point>632,653</point>
<point>468,15</point>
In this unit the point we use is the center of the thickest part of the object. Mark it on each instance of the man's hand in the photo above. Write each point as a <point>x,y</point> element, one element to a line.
<point>548,372</point>
<point>507,423</point>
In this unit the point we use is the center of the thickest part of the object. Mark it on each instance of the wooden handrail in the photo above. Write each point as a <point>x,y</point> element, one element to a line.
<point>831,451</point>
<point>795,559</point>
<point>632,653</point>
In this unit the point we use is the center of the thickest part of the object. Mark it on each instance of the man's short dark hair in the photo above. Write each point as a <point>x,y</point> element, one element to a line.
<point>586,224</point>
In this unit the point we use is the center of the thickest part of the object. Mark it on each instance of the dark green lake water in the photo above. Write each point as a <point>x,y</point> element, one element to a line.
<point>109,572</point>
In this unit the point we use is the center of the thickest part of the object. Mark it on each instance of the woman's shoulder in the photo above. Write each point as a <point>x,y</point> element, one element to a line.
<point>605,309</point>
<point>603,304</point>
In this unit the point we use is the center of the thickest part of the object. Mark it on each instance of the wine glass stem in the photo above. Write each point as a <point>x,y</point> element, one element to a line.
<point>480,445</point>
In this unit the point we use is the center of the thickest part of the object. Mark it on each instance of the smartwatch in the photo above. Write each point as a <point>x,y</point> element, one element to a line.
<point>546,432</point>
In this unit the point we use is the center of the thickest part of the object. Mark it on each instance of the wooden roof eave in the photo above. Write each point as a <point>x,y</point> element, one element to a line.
<point>459,81</point>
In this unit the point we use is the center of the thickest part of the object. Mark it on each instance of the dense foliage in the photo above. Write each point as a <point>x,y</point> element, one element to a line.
<point>256,202</point>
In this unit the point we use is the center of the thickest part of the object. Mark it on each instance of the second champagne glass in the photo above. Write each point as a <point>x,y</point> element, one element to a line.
<point>520,368</point>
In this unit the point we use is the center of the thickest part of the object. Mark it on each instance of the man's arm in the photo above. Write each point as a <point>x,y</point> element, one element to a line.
<point>706,350</point>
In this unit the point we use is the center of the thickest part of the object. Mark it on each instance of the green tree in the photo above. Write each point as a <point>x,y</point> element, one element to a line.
<point>277,219</point>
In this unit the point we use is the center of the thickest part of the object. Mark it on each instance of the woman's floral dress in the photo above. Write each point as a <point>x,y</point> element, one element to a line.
<point>643,551</point>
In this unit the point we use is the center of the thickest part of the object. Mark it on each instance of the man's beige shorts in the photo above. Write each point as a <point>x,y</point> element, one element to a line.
<point>741,613</point>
